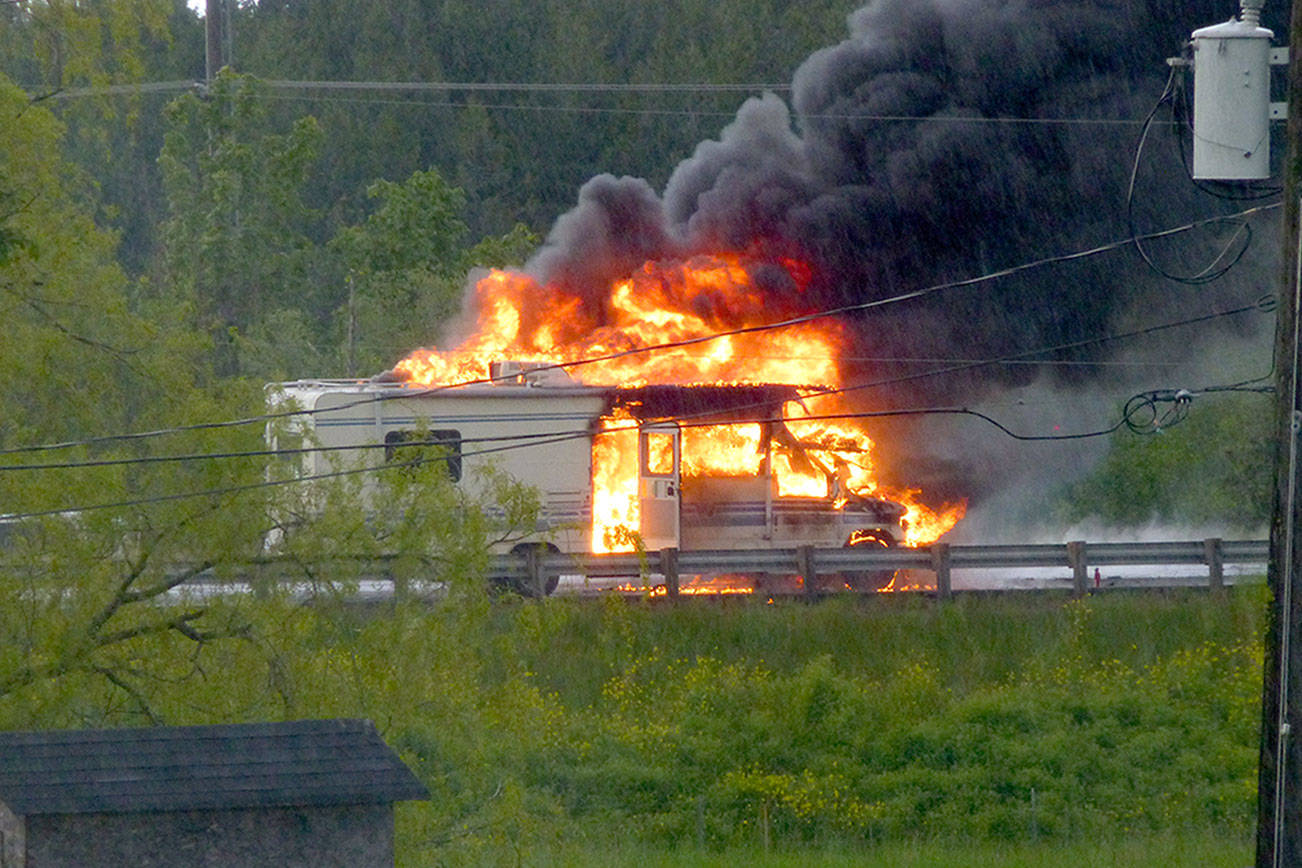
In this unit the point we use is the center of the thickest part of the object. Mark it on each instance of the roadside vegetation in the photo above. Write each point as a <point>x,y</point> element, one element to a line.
<point>568,732</point>
<point>1212,469</point>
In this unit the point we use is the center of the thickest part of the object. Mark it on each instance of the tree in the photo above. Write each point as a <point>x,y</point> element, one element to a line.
<point>73,348</point>
<point>98,537</point>
<point>67,43</point>
<point>80,588</point>
<point>237,240</point>
<point>406,266</point>
<point>1212,468</point>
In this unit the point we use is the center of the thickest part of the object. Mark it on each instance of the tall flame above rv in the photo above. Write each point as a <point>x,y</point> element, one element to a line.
<point>1231,119</point>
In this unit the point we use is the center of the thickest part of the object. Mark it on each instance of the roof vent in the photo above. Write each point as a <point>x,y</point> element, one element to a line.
<point>513,372</point>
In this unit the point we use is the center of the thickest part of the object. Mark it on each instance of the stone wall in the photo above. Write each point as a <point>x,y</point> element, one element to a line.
<point>357,836</point>
<point>13,835</point>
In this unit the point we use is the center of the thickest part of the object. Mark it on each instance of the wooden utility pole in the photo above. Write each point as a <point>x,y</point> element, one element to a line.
<point>212,31</point>
<point>1279,818</point>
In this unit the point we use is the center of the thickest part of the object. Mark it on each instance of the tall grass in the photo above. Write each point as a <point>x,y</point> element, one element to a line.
<point>994,719</point>
<point>888,728</point>
<point>1187,850</point>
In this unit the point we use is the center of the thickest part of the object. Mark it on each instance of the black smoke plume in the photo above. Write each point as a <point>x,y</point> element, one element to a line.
<point>901,162</point>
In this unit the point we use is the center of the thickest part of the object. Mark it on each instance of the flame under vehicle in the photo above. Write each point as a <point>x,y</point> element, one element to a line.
<point>615,466</point>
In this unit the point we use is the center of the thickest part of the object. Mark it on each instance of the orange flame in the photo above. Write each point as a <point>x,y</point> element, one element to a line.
<point>679,303</point>
<point>614,485</point>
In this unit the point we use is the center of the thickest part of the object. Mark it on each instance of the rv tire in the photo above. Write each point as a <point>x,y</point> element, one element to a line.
<point>861,581</point>
<point>523,586</point>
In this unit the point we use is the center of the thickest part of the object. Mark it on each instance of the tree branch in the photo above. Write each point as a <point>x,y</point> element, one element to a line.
<point>130,689</point>
<point>159,588</point>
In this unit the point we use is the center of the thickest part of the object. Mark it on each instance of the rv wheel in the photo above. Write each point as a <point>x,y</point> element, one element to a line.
<point>869,580</point>
<point>523,586</point>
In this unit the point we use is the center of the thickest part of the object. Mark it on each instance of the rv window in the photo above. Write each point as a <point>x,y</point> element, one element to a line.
<point>289,445</point>
<point>403,446</point>
<point>658,459</point>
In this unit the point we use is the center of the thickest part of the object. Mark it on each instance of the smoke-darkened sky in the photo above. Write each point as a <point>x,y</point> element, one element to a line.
<point>899,163</point>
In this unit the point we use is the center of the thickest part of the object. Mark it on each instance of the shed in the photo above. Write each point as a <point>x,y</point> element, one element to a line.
<point>306,792</point>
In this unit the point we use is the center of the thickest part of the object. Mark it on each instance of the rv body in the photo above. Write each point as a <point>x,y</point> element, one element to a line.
<point>540,428</point>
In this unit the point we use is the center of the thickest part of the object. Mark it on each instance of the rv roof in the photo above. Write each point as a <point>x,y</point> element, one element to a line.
<point>746,401</point>
<point>709,401</point>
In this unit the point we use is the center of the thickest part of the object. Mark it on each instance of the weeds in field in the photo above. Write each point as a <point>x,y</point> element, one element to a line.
<point>544,725</point>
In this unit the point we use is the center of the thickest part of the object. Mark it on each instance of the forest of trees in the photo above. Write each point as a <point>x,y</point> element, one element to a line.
<point>267,208</point>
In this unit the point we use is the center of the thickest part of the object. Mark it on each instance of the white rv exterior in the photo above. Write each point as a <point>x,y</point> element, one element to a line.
<point>470,423</point>
<point>539,427</point>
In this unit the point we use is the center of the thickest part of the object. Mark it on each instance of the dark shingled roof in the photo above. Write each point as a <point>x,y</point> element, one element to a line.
<point>177,768</point>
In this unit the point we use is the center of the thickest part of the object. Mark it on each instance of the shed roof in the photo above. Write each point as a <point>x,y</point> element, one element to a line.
<point>171,768</point>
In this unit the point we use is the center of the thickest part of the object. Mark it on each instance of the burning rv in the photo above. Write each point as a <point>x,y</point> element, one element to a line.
<point>687,466</point>
<point>682,406</point>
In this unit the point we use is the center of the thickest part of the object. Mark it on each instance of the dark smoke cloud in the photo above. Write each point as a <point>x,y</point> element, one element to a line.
<point>881,206</point>
<point>617,226</point>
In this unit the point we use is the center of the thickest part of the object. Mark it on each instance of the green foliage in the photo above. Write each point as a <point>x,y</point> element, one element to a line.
<point>518,157</point>
<point>1191,849</point>
<point>94,628</point>
<point>1215,468</point>
<point>236,240</point>
<point>78,358</point>
<point>66,43</point>
<point>98,627</point>
<point>816,748</point>
<point>406,268</point>
<point>690,737</point>
<point>239,242</point>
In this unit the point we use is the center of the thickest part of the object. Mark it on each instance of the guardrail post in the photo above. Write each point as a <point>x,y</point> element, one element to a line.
<point>1076,557</point>
<point>399,583</point>
<point>808,572</point>
<point>401,589</point>
<point>940,563</point>
<point>669,569</point>
<point>1215,564</point>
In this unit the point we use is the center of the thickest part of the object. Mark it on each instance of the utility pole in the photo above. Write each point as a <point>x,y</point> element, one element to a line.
<point>1279,814</point>
<point>212,31</point>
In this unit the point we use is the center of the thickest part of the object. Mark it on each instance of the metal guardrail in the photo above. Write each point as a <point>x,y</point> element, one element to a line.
<point>532,568</point>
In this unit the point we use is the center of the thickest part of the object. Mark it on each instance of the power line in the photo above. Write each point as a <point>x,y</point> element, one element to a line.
<point>253,486</point>
<point>655,88</point>
<point>930,360</point>
<point>257,453</point>
<point>1143,401</point>
<point>701,113</point>
<point>787,323</point>
<point>870,305</point>
<point>558,438</point>
<point>1260,304</point>
<point>1223,261</point>
<point>516,438</point>
<point>424,87</point>
<point>528,86</point>
<point>34,94</point>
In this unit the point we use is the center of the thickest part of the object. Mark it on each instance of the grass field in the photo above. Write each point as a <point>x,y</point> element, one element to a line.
<point>1169,851</point>
<point>1116,730</point>
<point>1017,729</point>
